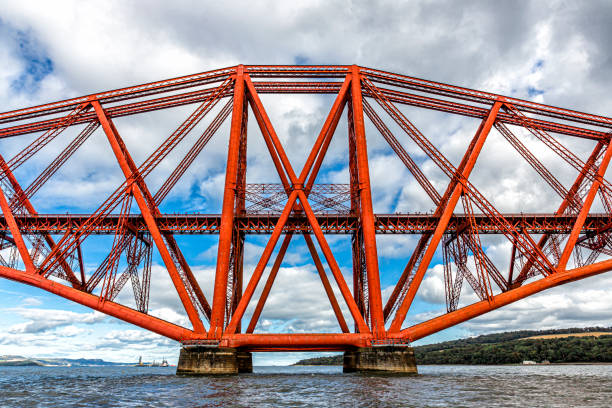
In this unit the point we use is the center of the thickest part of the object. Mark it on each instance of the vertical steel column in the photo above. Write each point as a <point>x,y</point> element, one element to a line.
<point>227,215</point>
<point>367,213</point>
<point>239,236</point>
<point>359,285</point>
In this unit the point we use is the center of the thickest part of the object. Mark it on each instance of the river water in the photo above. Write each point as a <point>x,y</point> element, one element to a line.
<point>435,386</point>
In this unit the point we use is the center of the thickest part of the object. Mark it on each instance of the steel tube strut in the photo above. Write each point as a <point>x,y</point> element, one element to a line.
<point>121,312</point>
<point>263,261</point>
<point>367,212</point>
<point>597,183</point>
<point>444,218</point>
<point>328,290</point>
<point>227,215</point>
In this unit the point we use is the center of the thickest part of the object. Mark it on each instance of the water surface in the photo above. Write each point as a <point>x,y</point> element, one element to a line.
<point>435,386</point>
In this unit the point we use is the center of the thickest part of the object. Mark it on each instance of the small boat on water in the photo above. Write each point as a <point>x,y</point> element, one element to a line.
<point>164,363</point>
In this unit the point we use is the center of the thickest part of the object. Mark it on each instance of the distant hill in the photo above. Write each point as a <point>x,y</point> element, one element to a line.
<point>575,345</point>
<point>20,361</point>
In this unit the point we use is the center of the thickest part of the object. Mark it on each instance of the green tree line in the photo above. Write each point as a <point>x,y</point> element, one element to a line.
<point>509,348</point>
<point>588,349</point>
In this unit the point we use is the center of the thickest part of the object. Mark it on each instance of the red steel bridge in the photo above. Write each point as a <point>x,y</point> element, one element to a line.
<point>47,250</point>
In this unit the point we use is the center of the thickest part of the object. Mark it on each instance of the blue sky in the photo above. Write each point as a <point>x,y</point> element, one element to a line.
<point>547,54</point>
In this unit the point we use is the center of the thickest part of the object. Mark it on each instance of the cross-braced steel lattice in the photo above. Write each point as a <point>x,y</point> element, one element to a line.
<point>542,244</point>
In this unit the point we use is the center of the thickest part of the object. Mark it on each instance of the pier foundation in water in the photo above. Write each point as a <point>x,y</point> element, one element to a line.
<point>386,359</point>
<point>213,360</point>
<point>225,360</point>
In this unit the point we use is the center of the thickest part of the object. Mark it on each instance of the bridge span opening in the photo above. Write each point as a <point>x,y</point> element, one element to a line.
<point>204,358</point>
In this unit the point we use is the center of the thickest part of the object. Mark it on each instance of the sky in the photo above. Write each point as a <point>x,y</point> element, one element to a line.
<point>554,52</point>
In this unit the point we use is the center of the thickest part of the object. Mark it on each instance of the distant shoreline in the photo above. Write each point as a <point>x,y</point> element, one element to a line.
<point>574,346</point>
<point>21,361</point>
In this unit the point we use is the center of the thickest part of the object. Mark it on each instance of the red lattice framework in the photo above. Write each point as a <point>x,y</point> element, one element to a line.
<point>542,244</point>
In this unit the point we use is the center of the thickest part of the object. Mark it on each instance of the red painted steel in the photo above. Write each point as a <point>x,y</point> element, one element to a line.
<point>227,215</point>
<point>377,321</point>
<point>574,235</point>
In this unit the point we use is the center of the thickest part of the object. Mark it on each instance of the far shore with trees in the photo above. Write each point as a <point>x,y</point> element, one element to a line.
<point>558,346</point>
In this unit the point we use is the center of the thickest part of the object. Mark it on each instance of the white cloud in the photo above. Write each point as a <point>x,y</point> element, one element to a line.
<point>432,287</point>
<point>584,303</point>
<point>41,320</point>
<point>70,331</point>
<point>31,301</point>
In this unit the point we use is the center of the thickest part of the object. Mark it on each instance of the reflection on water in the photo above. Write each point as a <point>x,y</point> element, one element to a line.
<point>436,386</point>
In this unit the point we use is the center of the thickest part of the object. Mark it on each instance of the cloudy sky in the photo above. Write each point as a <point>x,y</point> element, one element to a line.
<point>555,52</point>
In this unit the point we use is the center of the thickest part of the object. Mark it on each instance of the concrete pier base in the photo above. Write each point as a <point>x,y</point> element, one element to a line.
<point>386,359</point>
<point>213,360</point>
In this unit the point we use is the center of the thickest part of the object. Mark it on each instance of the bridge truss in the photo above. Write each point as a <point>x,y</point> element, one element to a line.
<point>49,247</point>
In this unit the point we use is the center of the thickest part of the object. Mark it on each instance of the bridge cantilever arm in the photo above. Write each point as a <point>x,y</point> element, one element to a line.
<point>437,324</point>
<point>121,312</point>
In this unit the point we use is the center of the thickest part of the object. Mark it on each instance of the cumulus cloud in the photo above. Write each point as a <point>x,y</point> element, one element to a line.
<point>31,301</point>
<point>70,331</point>
<point>41,320</point>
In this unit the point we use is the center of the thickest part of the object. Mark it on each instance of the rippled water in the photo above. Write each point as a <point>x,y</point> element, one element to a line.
<point>435,386</point>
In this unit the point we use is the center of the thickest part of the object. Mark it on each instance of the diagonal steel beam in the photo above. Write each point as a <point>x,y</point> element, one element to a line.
<point>25,202</point>
<point>586,207</point>
<point>147,208</point>
<point>21,247</point>
<point>448,208</point>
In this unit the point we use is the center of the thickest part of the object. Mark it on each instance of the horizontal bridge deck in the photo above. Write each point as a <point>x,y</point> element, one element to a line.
<point>330,223</point>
